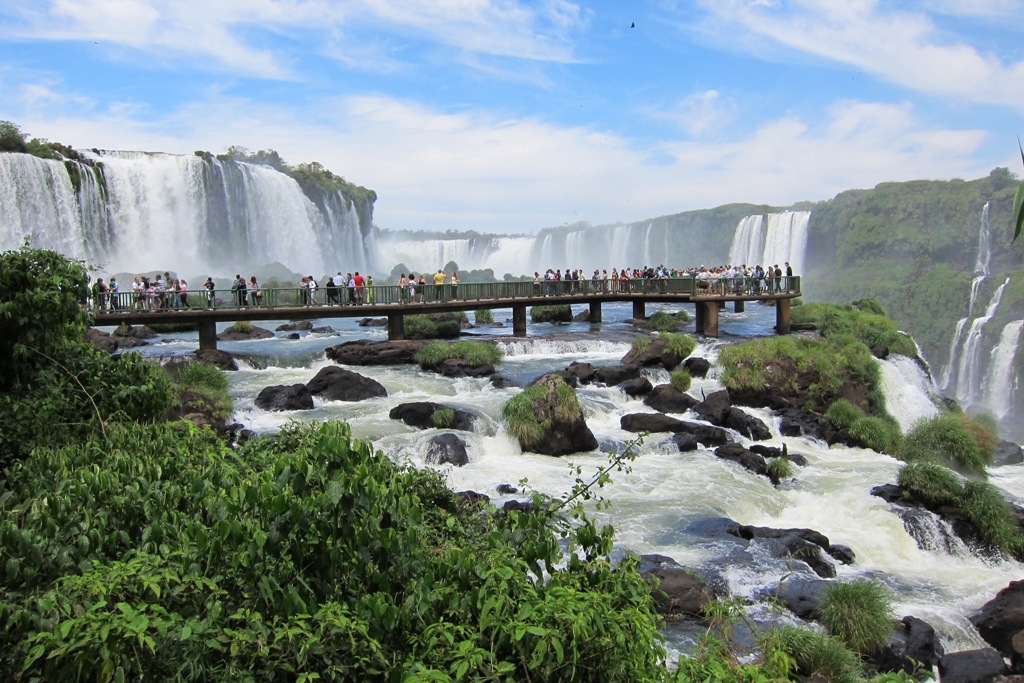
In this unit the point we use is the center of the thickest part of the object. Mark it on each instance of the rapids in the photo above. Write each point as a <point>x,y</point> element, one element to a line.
<point>664,492</point>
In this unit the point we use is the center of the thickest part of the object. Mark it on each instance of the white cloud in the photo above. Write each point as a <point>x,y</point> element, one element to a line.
<point>901,46</point>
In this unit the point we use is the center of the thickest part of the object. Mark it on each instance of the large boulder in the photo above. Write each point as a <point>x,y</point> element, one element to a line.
<point>459,367</point>
<point>636,387</point>
<point>222,359</point>
<point>281,397</point>
<point>801,596</point>
<point>677,591</point>
<point>101,340</point>
<point>134,332</point>
<point>612,375</point>
<point>650,422</point>
<point>656,355</point>
<point>363,352</point>
<point>447,449</point>
<point>256,332</point>
<point>736,453</point>
<point>338,384</point>
<point>565,428</point>
<point>421,415</point>
<point>665,398</point>
<point>715,407</point>
<point>697,367</point>
<point>749,426</point>
<point>1008,453</point>
<point>971,666</point>
<point>912,646</point>
<point>1000,621</point>
<point>292,327</point>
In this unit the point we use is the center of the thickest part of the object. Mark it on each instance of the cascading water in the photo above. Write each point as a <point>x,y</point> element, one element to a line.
<point>1000,383</point>
<point>134,211</point>
<point>909,391</point>
<point>784,240</point>
<point>969,366</point>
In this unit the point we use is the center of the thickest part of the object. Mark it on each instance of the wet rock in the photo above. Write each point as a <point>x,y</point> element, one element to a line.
<point>971,666</point>
<point>677,591</point>
<point>747,425</point>
<point>289,327</point>
<point>636,387</point>
<point>715,407</point>
<point>656,355</point>
<point>421,415</point>
<point>323,329</point>
<point>373,322</point>
<point>101,340</point>
<point>459,367</point>
<point>231,334</point>
<point>362,352</point>
<point>281,397</point>
<point>222,359</point>
<point>650,422</point>
<point>507,489</point>
<point>338,384</point>
<point>566,429</point>
<point>665,398</point>
<point>1000,622</point>
<point>499,381</point>
<point>697,367</point>
<point>447,449</point>
<point>736,453</point>
<point>801,596</point>
<point>912,646</point>
<point>134,332</point>
<point>1008,453</point>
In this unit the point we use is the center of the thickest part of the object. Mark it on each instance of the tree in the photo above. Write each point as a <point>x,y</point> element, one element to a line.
<point>11,138</point>
<point>1018,202</point>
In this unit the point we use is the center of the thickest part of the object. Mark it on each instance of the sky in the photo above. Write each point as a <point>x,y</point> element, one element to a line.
<point>507,116</point>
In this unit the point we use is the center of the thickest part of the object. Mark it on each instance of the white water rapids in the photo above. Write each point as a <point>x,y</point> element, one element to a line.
<point>665,491</point>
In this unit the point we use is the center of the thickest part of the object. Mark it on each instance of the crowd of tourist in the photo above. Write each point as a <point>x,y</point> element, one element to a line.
<point>162,292</point>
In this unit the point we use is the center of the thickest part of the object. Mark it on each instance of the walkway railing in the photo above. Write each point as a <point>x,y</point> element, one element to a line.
<point>281,297</point>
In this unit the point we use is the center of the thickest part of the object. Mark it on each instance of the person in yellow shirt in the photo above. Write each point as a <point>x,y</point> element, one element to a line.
<point>439,278</point>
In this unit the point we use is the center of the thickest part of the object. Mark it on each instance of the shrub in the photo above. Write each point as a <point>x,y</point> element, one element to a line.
<point>521,419</point>
<point>483,316</point>
<point>419,327</point>
<point>448,329</point>
<point>662,322</point>
<point>681,380</point>
<point>947,440</point>
<point>681,345</point>
<point>443,418</point>
<point>779,469</point>
<point>640,344</point>
<point>241,327</point>
<point>932,482</point>
<point>206,379</point>
<point>859,613</point>
<point>878,434</point>
<point>473,352</point>
<point>560,313</point>
<point>817,654</point>
<point>842,414</point>
<point>990,513</point>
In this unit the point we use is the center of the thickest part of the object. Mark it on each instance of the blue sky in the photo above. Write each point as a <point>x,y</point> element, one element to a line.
<point>511,116</point>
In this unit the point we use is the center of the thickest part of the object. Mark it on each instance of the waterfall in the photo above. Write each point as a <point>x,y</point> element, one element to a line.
<point>748,242</point>
<point>136,211</point>
<point>784,240</point>
<point>908,391</point>
<point>968,375</point>
<point>1000,384</point>
<point>500,254</point>
<point>984,246</point>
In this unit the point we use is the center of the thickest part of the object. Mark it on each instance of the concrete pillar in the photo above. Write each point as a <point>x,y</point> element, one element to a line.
<point>738,306</point>
<point>396,327</point>
<point>782,316</point>
<point>710,318</point>
<point>698,318</point>
<point>595,311</point>
<point>519,320</point>
<point>639,310</point>
<point>208,334</point>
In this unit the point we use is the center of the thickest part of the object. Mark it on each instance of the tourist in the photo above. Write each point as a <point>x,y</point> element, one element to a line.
<point>209,286</point>
<point>313,287</point>
<point>455,285</point>
<point>439,279</point>
<point>536,283</point>
<point>255,293</point>
<point>99,294</point>
<point>422,285</point>
<point>350,284</point>
<point>360,285</point>
<point>403,289</point>
<point>369,289</point>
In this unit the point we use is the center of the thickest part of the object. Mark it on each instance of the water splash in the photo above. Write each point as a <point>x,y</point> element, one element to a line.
<point>1000,382</point>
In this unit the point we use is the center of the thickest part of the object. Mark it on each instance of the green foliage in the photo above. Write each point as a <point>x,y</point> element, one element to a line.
<point>842,414</point>
<point>443,418</point>
<point>877,433</point>
<point>640,344</point>
<point>11,138</point>
<point>1018,202</point>
<point>865,321</point>
<point>817,654</point>
<point>162,554</point>
<point>241,327</point>
<point>779,469</point>
<point>859,613</point>
<point>419,327</point>
<point>483,316</point>
<point>870,305</point>
<point>472,352</point>
<point>681,345</point>
<point>947,439</point>
<point>931,482</point>
<point>521,420</point>
<point>557,313</point>
<point>40,316</point>
<point>681,380</point>
<point>663,322</point>
<point>206,379</point>
<point>981,503</point>
<point>800,368</point>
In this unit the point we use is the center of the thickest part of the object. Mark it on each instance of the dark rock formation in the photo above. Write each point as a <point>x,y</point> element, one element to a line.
<point>971,666</point>
<point>913,645</point>
<point>749,426</point>
<point>650,422</point>
<point>499,381</point>
<point>800,544</point>
<point>636,387</point>
<point>665,398</point>
<point>609,375</point>
<point>373,322</point>
<point>567,431</point>
<point>715,407</point>
<point>458,367</point>
<point>134,332</point>
<point>338,384</point>
<point>292,327</point>
<point>233,335</point>
<point>1008,453</point>
<point>697,367</point>
<point>1000,621</point>
<point>323,329</point>
<point>447,449</point>
<point>280,397</point>
<point>421,416</point>
<point>101,340</point>
<point>362,352</point>
<point>222,359</point>
<point>801,596</point>
<point>678,591</point>
<point>736,453</point>
<point>656,355</point>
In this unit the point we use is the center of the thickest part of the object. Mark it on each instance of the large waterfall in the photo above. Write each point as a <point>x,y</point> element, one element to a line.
<point>134,211</point>
<point>780,239</point>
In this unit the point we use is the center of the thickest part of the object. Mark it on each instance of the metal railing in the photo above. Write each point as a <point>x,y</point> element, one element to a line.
<point>290,297</point>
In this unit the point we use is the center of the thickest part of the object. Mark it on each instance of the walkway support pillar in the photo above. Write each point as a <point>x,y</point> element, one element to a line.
<point>595,311</point>
<point>782,314</point>
<point>698,318</point>
<point>639,310</point>
<point>710,318</point>
<point>208,335</point>
<point>737,306</point>
<point>519,320</point>
<point>396,327</point>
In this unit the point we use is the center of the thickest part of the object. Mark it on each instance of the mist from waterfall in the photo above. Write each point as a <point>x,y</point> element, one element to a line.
<point>775,239</point>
